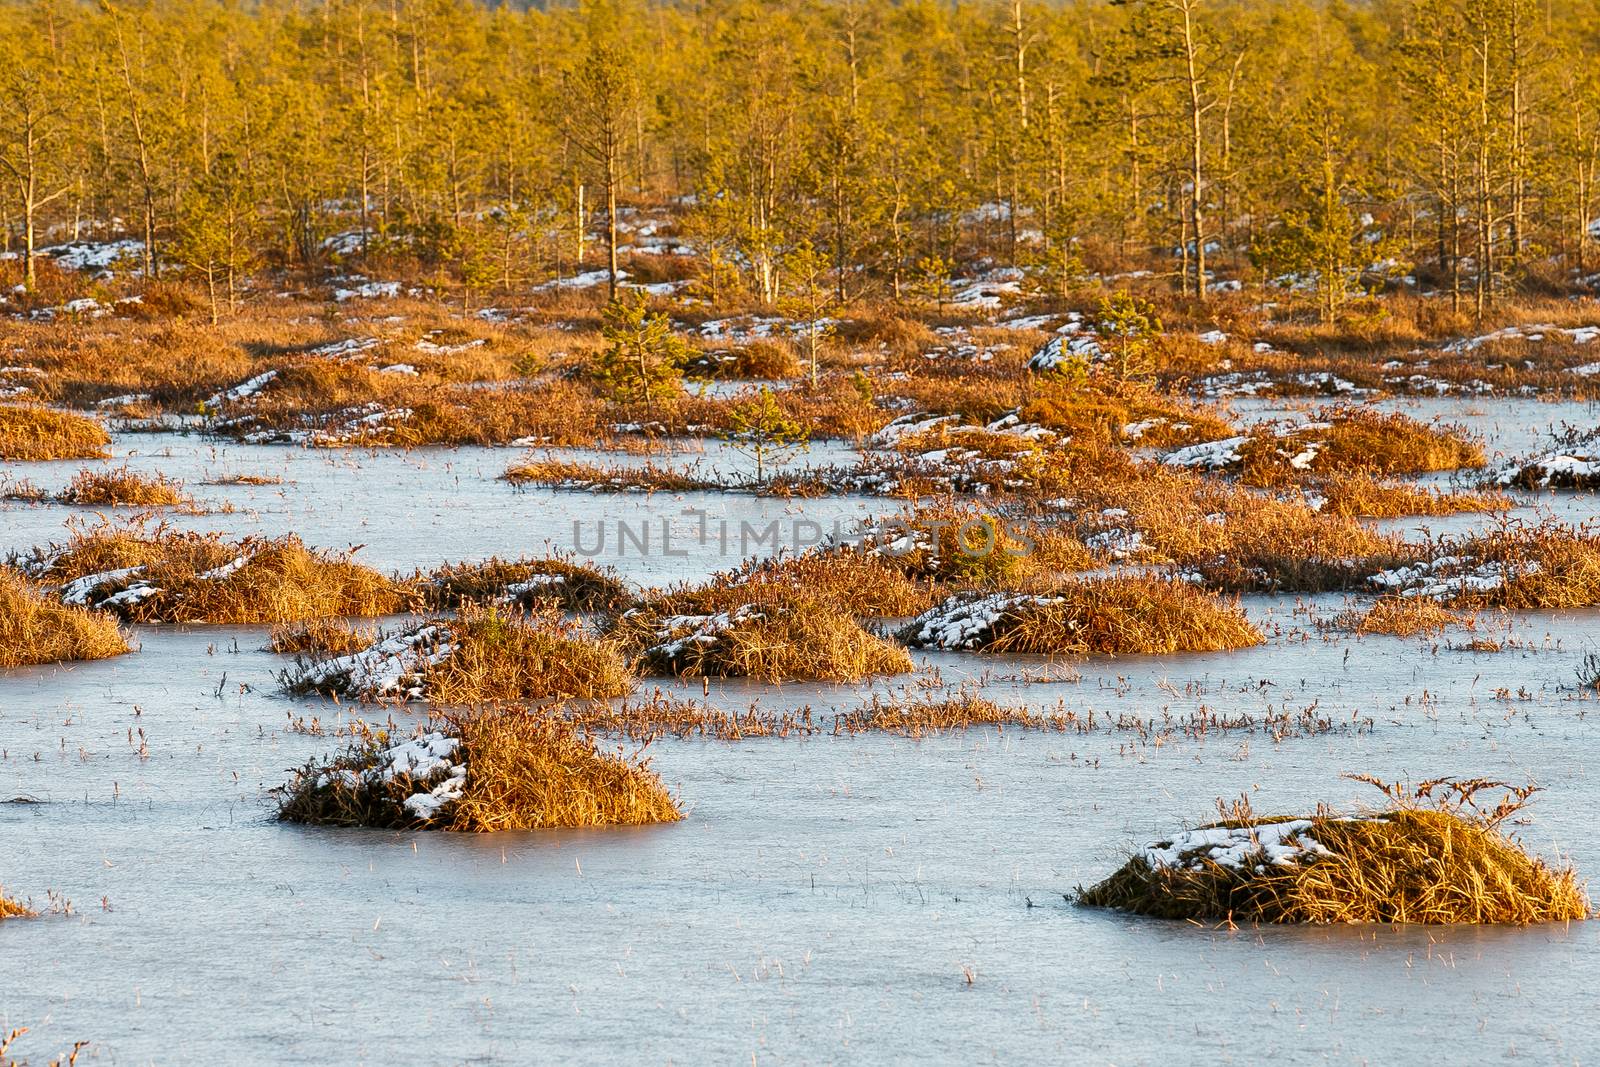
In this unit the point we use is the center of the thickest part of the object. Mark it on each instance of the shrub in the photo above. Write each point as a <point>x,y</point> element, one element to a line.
<point>34,629</point>
<point>29,432</point>
<point>1114,616</point>
<point>480,774</point>
<point>1430,857</point>
<point>780,639</point>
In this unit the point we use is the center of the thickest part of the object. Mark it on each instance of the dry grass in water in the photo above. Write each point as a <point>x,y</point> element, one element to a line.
<point>483,655</point>
<point>783,638</point>
<point>121,487</point>
<point>853,582</point>
<point>962,710</point>
<point>1400,617</point>
<point>1115,616</point>
<point>525,656</point>
<point>1354,440</point>
<point>325,637</point>
<point>565,582</point>
<point>35,629</point>
<point>481,774</point>
<point>29,433</point>
<point>1360,495</point>
<point>1517,566</point>
<point>1430,856</point>
<point>593,478</point>
<point>166,575</point>
<point>11,909</point>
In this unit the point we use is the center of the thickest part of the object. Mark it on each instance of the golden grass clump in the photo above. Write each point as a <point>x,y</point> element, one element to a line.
<point>961,710</point>
<point>1108,411</point>
<point>1235,538</point>
<point>481,774</point>
<point>1114,616</point>
<point>573,585</point>
<point>167,575</point>
<point>1360,495</point>
<point>1354,440</point>
<point>525,656</point>
<point>327,637</point>
<point>1429,857</point>
<point>121,487</point>
<point>782,638</point>
<point>1400,617</point>
<point>854,582</point>
<point>1518,566</point>
<point>35,629</point>
<point>593,478</point>
<point>29,432</point>
<point>11,909</point>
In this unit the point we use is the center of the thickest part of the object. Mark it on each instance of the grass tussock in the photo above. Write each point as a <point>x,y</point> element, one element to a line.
<point>1517,566</point>
<point>567,583</point>
<point>481,774</point>
<point>1107,411</point>
<point>11,909</point>
<point>532,655</point>
<point>167,575</point>
<point>1361,495</point>
<point>1115,616</point>
<point>35,629</point>
<point>853,582</point>
<point>325,637</point>
<point>1349,440</point>
<point>121,487</point>
<point>1430,856</point>
<point>32,433</point>
<point>1400,617</point>
<point>785,638</point>
<point>594,478</point>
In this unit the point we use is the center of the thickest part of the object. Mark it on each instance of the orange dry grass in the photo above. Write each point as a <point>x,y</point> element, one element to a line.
<point>1355,440</point>
<point>1362,495</point>
<point>121,487</point>
<point>523,772</point>
<point>38,433</point>
<point>1406,864</point>
<point>1127,616</point>
<point>36,630</point>
<point>853,582</point>
<point>1401,617</point>
<point>1102,410</point>
<point>327,637</point>
<point>203,578</point>
<point>525,656</point>
<point>11,909</point>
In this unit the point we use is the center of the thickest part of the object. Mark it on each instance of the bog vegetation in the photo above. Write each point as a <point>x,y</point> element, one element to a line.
<point>1430,855</point>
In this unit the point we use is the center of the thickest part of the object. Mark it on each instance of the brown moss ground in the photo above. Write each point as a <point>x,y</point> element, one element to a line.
<point>31,433</point>
<point>34,629</point>
<point>524,772</point>
<point>1408,865</point>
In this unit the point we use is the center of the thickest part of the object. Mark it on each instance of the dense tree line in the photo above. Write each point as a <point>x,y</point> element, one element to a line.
<point>883,141</point>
